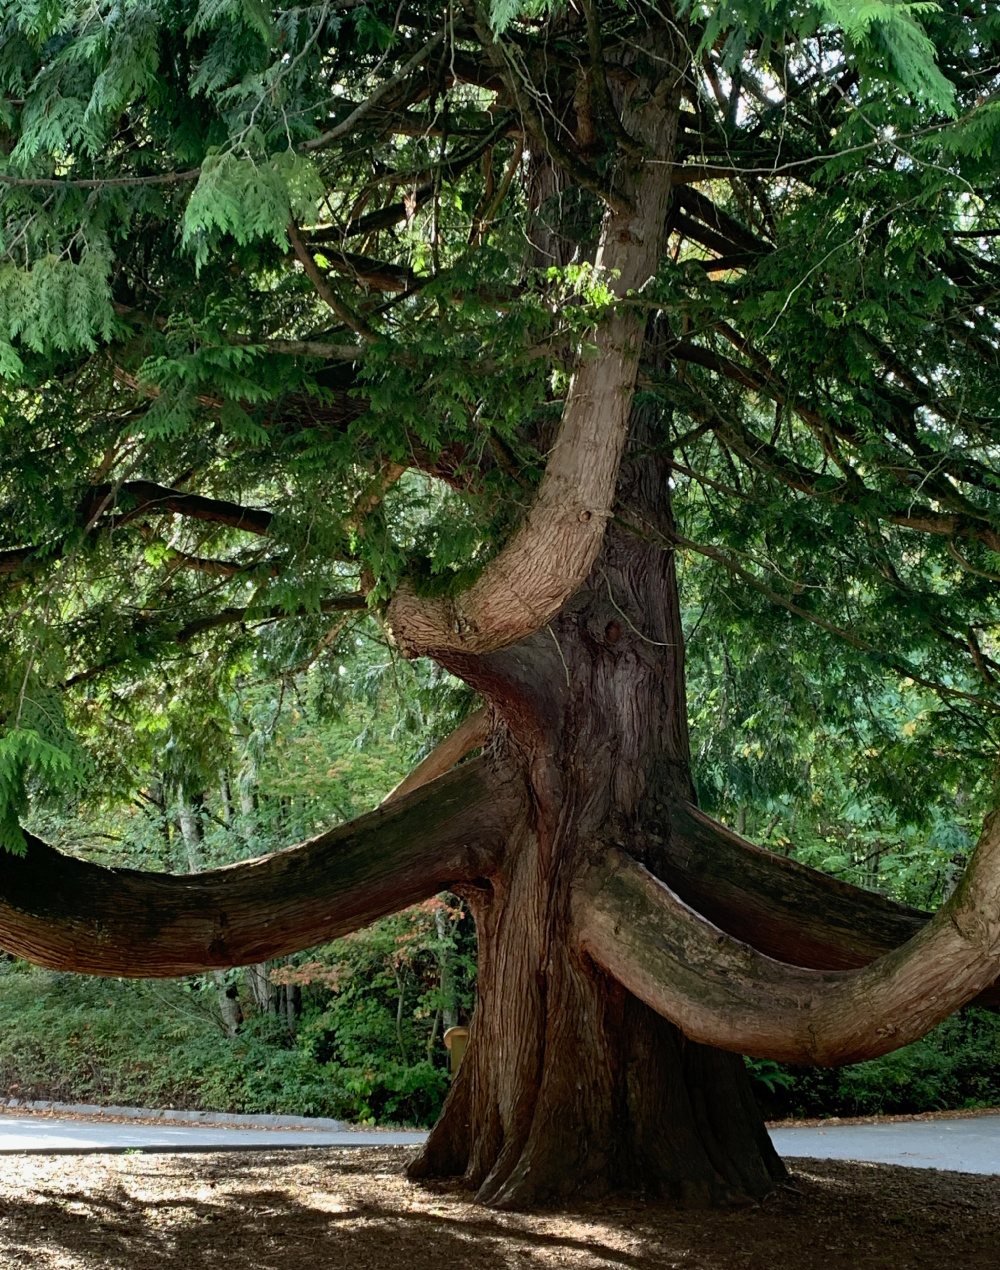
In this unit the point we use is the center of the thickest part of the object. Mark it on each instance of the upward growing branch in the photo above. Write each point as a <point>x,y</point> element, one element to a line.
<point>554,549</point>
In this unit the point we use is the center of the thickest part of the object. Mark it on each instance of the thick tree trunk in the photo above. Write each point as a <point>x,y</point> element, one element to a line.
<point>570,1085</point>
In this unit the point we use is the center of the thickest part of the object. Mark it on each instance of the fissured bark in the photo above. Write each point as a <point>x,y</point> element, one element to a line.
<point>571,1086</point>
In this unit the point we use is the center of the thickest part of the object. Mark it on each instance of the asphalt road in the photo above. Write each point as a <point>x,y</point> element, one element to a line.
<point>37,1135</point>
<point>966,1146</point>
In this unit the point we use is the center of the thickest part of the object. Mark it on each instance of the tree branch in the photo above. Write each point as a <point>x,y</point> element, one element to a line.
<point>68,914</point>
<point>469,735</point>
<point>731,230</point>
<point>777,905</point>
<point>387,217</point>
<point>341,129</point>
<point>581,173</point>
<point>325,291</point>
<point>150,497</point>
<point>722,992</point>
<point>553,550</point>
<point>353,602</point>
<point>233,616</point>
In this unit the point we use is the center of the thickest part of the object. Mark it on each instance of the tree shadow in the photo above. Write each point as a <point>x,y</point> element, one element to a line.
<point>331,1212</point>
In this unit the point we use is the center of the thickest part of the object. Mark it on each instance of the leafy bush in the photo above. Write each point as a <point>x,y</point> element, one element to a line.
<point>360,1053</point>
<point>955,1066</point>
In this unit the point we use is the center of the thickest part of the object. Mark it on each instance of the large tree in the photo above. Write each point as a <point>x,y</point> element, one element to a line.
<point>428,313</point>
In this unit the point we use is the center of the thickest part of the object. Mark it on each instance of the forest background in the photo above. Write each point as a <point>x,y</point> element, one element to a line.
<point>354,1029</point>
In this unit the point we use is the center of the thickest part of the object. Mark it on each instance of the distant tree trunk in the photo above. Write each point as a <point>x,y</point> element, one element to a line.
<point>291,1002</point>
<point>225,798</point>
<point>263,992</point>
<point>229,1003</point>
<point>446,956</point>
<point>190,817</point>
<point>401,976</point>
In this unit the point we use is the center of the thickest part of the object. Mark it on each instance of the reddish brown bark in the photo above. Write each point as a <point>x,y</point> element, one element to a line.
<point>570,1086</point>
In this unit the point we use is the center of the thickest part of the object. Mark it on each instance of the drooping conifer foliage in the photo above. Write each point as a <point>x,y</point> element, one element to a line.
<point>427,315</point>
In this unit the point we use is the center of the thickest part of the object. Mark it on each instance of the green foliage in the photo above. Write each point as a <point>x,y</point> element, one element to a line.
<point>249,199</point>
<point>956,1066</point>
<point>56,304</point>
<point>120,1043</point>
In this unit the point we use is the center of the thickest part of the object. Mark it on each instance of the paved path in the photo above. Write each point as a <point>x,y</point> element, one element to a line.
<point>38,1135</point>
<point>967,1146</point>
<point>964,1146</point>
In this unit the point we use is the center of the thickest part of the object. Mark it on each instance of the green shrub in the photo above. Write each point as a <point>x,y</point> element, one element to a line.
<point>73,1039</point>
<point>955,1066</point>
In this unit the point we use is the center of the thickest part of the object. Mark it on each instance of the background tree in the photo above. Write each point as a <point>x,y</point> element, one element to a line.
<point>427,314</point>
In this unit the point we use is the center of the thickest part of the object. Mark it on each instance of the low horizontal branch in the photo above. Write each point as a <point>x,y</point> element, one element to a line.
<point>355,601</point>
<point>69,914</point>
<point>721,991</point>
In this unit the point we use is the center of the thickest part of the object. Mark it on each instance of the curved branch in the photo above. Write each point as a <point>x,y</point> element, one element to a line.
<point>469,735</point>
<point>722,992</point>
<point>554,549</point>
<point>68,914</point>
<point>779,906</point>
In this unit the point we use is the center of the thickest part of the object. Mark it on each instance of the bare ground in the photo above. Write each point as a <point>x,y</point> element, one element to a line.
<point>353,1210</point>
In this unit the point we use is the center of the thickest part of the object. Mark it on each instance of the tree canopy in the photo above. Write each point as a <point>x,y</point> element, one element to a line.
<point>266,271</point>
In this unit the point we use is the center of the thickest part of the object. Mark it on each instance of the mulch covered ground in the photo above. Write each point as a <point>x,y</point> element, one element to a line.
<point>353,1210</point>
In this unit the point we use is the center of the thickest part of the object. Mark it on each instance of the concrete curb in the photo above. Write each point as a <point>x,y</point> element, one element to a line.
<point>170,1115</point>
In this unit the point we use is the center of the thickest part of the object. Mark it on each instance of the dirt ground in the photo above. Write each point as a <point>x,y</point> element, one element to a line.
<point>353,1210</point>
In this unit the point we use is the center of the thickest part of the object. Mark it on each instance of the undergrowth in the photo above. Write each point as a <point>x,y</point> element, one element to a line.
<point>955,1066</point>
<point>134,1043</point>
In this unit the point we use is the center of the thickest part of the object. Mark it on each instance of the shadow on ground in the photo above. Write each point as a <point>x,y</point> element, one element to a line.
<point>334,1209</point>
